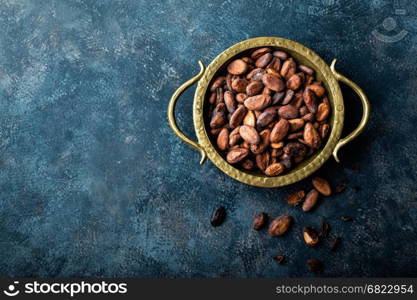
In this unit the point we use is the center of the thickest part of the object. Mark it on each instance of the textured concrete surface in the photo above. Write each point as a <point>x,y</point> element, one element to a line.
<point>94,183</point>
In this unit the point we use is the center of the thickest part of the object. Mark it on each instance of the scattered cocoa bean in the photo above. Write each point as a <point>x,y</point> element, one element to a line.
<point>314,265</point>
<point>280,259</point>
<point>324,229</point>
<point>335,243</point>
<point>322,185</point>
<point>260,221</point>
<point>311,200</point>
<point>237,67</point>
<point>310,236</point>
<point>295,198</point>
<point>274,169</point>
<point>218,216</point>
<point>280,225</point>
<point>236,155</point>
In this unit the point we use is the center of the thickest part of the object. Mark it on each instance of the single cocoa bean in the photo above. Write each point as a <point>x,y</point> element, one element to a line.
<point>264,60</point>
<point>249,119</point>
<point>295,149</point>
<point>234,137</point>
<point>314,265</point>
<point>241,97</point>
<point>295,81</point>
<point>278,145</point>
<point>254,88</point>
<point>223,139</point>
<point>237,67</point>
<point>311,136</point>
<point>324,130</point>
<point>273,82</point>
<point>311,200</point>
<point>310,236</point>
<point>236,155</point>
<point>248,164</point>
<point>310,100</point>
<point>262,160</point>
<point>260,221</point>
<point>335,243</point>
<point>259,52</point>
<point>274,65</point>
<point>295,198</point>
<point>218,82</point>
<point>258,102</point>
<point>274,169</point>
<point>277,97</point>
<point>266,117</point>
<point>306,69</point>
<point>251,74</point>
<point>229,101</point>
<point>279,131</point>
<point>288,68</point>
<point>309,117</point>
<point>261,147</point>
<point>289,94</point>
<point>324,229</point>
<point>218,216</point>
<point>280,225</point>
<point>323,111</point>
<point>239,85</point>
<point>280,259</point>
<point>318,90</point>
<point>280,54</point>
<point>295,135</point>
<point>248,60</point>
<point>322,185</point>
<point>237,117</point>
<point>296,124</point>
<point>219,117</point>
<point>249,134</point>
<point>288,112</point>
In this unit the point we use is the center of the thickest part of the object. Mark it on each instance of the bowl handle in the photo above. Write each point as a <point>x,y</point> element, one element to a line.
<point>365,114</point>
<point>171,112</point>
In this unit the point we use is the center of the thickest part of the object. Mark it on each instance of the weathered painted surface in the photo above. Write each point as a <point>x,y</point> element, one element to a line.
<point>94,183</point>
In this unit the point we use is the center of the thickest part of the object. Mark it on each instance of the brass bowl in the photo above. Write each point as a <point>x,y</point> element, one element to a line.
<point>303,55</point>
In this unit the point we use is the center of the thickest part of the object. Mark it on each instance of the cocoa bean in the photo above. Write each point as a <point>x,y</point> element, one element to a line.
<point>279,131</point>
<point>249,134</point>
<point>236,155</point>
<point>311,136</point>
<point>237,67</point>
<point>274,169</point>
<point>280,225</point>
<point>223,139</point>
<point>260,221</point>
<point>311,200</point>
<point>258,102</point>
<point>310,236</point>
<point>273,82</point>
<point>264,60</point>
<point>295,198</point>
<point>237,117</point>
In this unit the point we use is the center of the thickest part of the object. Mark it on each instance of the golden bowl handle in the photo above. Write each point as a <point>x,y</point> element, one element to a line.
<point>171,112</point>
<point>365,114</point>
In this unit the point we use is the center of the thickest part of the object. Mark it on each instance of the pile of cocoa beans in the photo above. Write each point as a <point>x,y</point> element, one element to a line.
<point>267,112</point>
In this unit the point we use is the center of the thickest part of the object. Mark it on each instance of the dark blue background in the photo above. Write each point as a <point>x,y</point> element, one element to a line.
<point>94,183</point>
